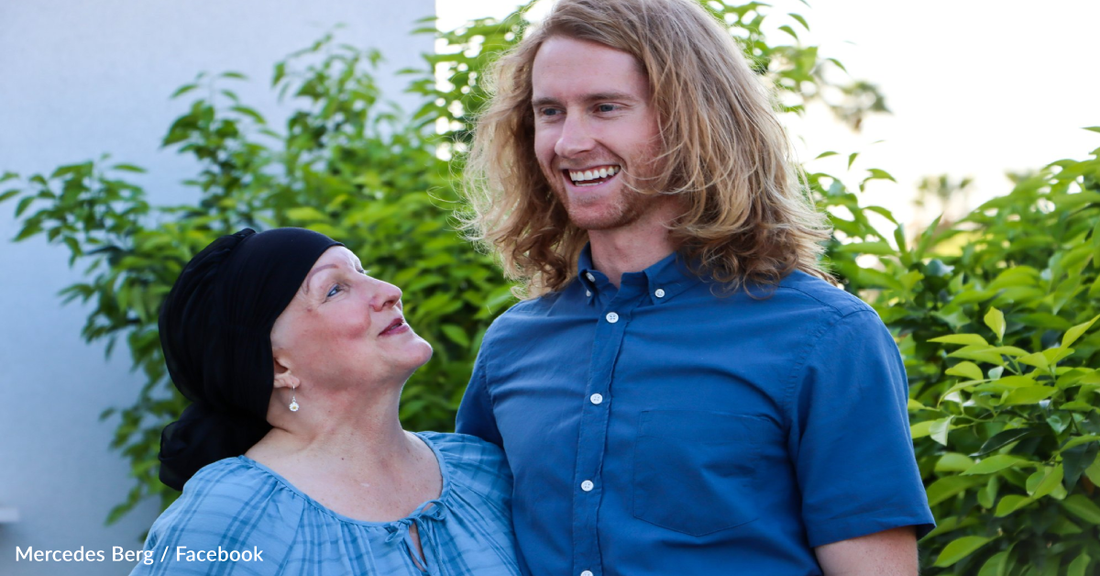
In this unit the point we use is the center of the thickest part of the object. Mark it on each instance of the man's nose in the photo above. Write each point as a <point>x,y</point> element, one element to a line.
<point>575,138</point>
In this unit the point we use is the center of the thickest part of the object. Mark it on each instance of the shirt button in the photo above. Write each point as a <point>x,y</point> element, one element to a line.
<point>588,293</point>
<point>596,398</point>
<point>612,317</point>
<point>586,573</point>
<point>590,277</point>
<point>659,293</point>
<point>587,485</point>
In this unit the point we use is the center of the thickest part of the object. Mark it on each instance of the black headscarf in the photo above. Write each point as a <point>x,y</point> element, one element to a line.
<point>215,329</point>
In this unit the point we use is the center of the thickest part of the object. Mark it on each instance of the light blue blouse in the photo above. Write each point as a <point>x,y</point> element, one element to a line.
<point>236,516</point>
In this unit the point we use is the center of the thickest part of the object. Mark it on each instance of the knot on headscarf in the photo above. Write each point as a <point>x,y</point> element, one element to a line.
<point>215,330</point>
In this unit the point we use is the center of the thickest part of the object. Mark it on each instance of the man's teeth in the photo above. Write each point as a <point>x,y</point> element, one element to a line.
<point>585,175</point>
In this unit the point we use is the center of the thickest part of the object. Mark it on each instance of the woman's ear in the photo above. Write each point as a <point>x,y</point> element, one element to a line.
<point>284,378</point>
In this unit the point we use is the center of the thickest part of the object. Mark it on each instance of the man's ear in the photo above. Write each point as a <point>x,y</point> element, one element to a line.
<point>284,378</point>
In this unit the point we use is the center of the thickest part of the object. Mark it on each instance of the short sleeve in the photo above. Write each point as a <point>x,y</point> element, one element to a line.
<point>850,438</point>
<point>475,414</point>
<point>229,520</point>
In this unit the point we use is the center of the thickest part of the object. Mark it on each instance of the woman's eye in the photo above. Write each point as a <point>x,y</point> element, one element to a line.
<point>335,290</point>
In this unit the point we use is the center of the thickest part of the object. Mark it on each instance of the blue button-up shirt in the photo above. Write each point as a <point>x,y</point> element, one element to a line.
<point>660,429</point>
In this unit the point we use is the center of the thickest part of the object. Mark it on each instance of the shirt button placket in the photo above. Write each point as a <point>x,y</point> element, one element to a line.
<point>586,573</point>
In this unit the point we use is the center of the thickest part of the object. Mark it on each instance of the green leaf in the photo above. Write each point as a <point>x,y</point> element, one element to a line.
<point>960,548</point>
<point>128,168</point>
<point>852,158</point>
<point>1010,504</point>
<point>1074,333</point>
<point>939,429</point>
<point>877,248</point>
<point>1093,472</point>
<point>825,154</point>
<point>950,486</point>
<point>988,496</point>
<point>1080,564</point>
<point>456,334</point>
<point>23,205</point>
<point>1078,440</point>
<point>980,353</point>
<point>250,112</point>
<point>966,370</point>
<point>1044,481</point>
<point>967,339</point>
<point>953,462</point>
<point>789,30</point>
<point>183,90</point>
<point>921,429</point>
<point>1037,359</point>
<point>996,565</point>
<point>877,174</point>
<point>305,214</point>
<point>1004,438</point>
<point>995,319</point>
<point>1028,395</point>
<point>994,464</point>
<point>1082,507</point>
<point>1076,459</point>
<point>800,19</point>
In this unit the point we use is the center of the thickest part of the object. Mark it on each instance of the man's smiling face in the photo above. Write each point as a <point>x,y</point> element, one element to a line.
<point>596,134</point>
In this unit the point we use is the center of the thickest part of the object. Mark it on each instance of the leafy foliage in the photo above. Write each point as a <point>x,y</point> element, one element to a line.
<point>996,318</point>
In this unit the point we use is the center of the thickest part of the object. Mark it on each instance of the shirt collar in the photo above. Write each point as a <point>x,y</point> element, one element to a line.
<point>664,280</point>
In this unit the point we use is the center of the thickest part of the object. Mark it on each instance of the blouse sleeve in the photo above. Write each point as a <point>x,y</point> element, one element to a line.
<point>229,520</point>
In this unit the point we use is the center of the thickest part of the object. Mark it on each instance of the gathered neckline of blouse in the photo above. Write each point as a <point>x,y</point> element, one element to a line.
<point>421,511</point>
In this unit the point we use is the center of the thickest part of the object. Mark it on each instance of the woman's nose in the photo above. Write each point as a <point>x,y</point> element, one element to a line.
<point>386,295</point>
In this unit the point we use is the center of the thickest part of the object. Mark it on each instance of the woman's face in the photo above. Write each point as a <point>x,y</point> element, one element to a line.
<point>344,328</point>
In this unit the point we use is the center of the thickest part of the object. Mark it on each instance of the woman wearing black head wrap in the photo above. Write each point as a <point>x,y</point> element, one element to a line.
<point>291,457</point>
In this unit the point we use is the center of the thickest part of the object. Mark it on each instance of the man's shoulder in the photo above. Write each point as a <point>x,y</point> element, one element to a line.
<point>799,289</point>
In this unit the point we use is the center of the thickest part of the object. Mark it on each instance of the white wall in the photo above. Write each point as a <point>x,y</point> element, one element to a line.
<point>78,79</point>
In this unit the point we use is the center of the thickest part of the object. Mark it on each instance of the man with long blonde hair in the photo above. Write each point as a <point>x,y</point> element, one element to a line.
<point>683,391</point>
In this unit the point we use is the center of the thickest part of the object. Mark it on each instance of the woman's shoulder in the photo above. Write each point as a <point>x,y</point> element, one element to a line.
<point>224,501</point>
<point>471,462</point>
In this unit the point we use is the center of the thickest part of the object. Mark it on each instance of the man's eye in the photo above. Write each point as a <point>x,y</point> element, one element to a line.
<point>606,108</point>
<point>548,112</point>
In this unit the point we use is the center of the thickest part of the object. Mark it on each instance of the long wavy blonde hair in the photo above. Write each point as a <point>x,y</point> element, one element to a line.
<point>747,218</point>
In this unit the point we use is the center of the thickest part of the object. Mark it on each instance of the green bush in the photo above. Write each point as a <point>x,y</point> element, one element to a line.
<point>993,316</point>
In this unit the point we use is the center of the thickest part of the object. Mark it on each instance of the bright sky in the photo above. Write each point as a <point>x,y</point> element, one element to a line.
<point>976,87</point>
